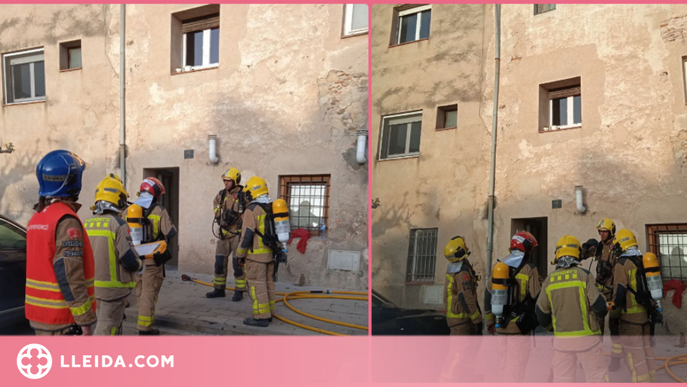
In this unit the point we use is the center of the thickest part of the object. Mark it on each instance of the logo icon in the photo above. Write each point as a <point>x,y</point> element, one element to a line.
<point>34,361</point>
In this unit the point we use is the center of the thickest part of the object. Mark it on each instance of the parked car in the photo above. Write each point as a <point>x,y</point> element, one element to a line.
<point>389,319</point>
<point>12,272</point>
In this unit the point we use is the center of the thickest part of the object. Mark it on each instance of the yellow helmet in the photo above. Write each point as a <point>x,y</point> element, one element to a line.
<point>456,249</point>
<point>111,190</point>
<point>568,246</point>
<point>625,238</point>
<point>232,174</point>
<point>255,186</point>
<point>606,224</point>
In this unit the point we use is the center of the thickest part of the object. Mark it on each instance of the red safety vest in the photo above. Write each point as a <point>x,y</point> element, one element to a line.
<point>44,300</point>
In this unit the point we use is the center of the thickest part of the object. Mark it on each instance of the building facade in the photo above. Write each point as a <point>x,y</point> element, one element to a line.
<point>587,101</point>
<point>281,89</point>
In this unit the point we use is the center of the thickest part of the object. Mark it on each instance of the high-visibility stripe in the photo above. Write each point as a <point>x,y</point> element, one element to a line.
<point>111,249</point>
<point>114,284</point>
<point>254,298</point>
<point>616,348</point>
<point>113,331</point>
<point>524,278</point>
<point>79,310</point>
<point>630,364</point>
<point>262,249</point>
<point>449,307</point>
<point>156,224</point>
<point>45,302</point>
<point>634,306</point>
<point>43,285</point>
<point>586,331</point>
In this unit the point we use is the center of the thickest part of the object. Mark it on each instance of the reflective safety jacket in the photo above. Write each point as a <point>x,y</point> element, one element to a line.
<point>460,298</point>
<point>224,207</point>
<point>570,302</point>
<point>114,255</point>
<point>626,306</point>
<point>251,245</point>
<point>528,284</point>
<point>59,269</point>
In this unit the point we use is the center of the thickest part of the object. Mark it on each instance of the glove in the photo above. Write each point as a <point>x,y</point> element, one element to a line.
<point>491,329</point>
<point>241,261</point>
<point>161,258</point>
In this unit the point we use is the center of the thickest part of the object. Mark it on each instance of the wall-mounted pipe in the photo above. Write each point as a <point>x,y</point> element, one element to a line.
<point>361,147</point>
<point>580,200</point>
<point>494,127</point>
<point>212,144</point>
<point>122,93</point>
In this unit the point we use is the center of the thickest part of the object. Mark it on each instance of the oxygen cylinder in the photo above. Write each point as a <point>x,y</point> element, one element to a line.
<point>499,291</point>
<point>653,278</point>
<point>281,220</point>
<point>134,217</point>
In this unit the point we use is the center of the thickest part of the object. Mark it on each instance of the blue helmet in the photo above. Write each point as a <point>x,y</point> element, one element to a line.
<point>59,174</point>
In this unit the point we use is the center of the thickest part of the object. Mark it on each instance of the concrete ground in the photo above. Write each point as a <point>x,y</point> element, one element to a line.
<point>183,309</point>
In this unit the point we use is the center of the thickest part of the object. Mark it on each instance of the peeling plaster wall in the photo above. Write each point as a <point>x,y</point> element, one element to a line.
<point>629,154</point>
<point>287,99</point>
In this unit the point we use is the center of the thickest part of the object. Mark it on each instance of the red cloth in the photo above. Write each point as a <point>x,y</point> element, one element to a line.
<point>678,287</point>
<point>304,235</point>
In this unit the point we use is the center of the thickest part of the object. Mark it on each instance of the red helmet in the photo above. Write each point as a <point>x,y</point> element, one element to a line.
<point>523,241</point>
<point>153,186</point>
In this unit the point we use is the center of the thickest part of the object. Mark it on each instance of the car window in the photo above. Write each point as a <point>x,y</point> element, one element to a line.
<point>11,237</point>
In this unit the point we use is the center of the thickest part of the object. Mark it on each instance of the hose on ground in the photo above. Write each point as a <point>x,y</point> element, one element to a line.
<point>308,294</point>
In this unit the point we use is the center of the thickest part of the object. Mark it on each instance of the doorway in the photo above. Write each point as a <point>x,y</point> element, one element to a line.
<point>539,228</point>
<point>169,177</point>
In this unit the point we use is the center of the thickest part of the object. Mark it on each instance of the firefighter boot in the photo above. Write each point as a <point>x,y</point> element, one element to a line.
<point>150,332</point>
<point>238,296</point>
<point>216,293</point>
<point>615,364</point>
<point>263,323</point>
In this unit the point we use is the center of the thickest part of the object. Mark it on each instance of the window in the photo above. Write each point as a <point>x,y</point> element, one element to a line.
<point>422,255</point>
<point>24,76</point>
<point>195,32</point>
<point>541,8</point>
<point>413,24</point>
<point>561,105</point>
<point>70,55</point>
<point>401,135</point>
<point>447,117</point>
<point>355,19</point>
<point>308,200</point>
<point>669,243</point>
<point>11,238</point>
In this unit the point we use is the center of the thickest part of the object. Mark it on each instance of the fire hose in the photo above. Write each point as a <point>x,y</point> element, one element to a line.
<point>669,362</point>
<point>308,294</point>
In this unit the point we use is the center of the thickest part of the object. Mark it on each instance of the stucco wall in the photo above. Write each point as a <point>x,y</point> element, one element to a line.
<point>287,99</point>
<point>629,153</point>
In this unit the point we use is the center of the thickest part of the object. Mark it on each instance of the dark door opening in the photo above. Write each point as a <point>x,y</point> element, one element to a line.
<point>169,177</point>
<point>539,228</point>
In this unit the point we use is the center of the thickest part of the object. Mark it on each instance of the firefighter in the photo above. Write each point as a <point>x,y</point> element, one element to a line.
<point>605,260</point>
<point>115,257</point>
<point>59,259</point>
<point>571,305</point>
<point>159,227</point>
<point>463,314</point>
<point>228,206</point>
<point>256,257</point>
<point>521,319</point>
<point>630,299</point>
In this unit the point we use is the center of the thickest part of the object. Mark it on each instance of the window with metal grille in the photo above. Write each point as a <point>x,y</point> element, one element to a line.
<point>308,200</point>
<point>422,255</point>
<point>669,243</point>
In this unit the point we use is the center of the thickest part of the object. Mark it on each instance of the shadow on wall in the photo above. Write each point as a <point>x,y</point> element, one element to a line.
<point>14,167</point>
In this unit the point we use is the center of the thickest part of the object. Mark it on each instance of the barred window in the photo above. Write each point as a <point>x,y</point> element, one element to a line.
<point>308,200</point>
<point>669,243</point>
<point>422,254</point>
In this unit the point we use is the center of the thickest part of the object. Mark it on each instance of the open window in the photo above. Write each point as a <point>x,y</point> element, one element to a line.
<point>560,105</point>
<point>195,38</point>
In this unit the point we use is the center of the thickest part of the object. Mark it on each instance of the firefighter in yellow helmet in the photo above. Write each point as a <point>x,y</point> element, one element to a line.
<point>519,319</point>
<point>463,314</point>
<point>114,254</point>
<point>254,253</point>
<point>570,304</point>
<point>605,260</point>
<point>228,205</point>
<point>634,307</point>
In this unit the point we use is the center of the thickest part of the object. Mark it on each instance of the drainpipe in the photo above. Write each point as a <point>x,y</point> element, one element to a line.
<point>122,90</point>
<point>492,169</point>
<point>361,147</point>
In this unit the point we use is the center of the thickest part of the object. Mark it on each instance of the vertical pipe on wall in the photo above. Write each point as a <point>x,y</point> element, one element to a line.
<point>492,168</point>
<point>122,89</point>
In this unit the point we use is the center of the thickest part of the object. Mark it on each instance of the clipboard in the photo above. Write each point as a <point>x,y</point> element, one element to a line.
<point>147,250</point>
